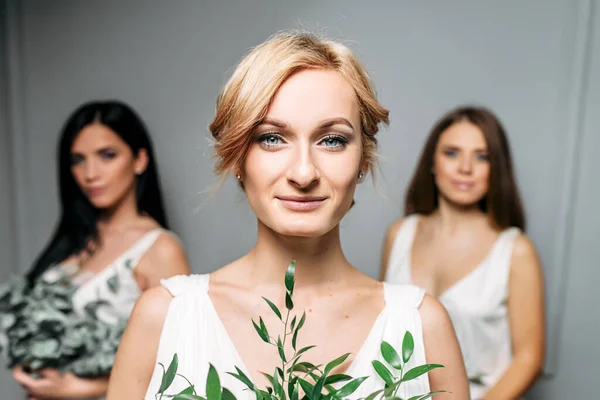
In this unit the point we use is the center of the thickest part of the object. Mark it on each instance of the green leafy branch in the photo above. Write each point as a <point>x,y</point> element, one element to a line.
<point>302,380</point>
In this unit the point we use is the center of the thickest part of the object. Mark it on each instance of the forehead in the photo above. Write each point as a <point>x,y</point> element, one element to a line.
<point>312,95</point>
<point>463,134</point>
<point>95,136</point>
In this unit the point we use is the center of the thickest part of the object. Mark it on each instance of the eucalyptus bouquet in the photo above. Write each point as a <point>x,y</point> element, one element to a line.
<point>39,328</point>
<point>295,379</point>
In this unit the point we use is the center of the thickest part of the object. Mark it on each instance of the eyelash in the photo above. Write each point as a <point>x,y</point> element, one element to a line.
<point>341,141</point>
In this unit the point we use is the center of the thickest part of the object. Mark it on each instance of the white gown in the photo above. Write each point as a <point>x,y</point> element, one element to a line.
<point>193,330</point>
<point>477,305</point>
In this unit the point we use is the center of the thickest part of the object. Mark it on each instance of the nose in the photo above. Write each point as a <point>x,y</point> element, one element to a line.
<point>465,165</point>
<point>91,170</point>
<point>302,171</point>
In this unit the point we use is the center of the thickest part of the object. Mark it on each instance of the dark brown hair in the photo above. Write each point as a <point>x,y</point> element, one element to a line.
<point>502,202</point>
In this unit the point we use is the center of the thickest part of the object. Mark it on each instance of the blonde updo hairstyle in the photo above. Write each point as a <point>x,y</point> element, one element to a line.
<point>246,97</point>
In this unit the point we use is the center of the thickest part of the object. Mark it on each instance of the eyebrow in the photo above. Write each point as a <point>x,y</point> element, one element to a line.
<point>324,124</point>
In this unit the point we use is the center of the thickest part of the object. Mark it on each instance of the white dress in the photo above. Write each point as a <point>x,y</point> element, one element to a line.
<point>114,284</point>
<point>193,330</point>
<point>477,305</point>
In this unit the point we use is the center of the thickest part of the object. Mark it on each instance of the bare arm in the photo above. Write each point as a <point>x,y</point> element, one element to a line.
<point>138,350</point>
<point>526,316</point>
<point>441,347</point>
<point>388,245</point>
<point>166,258</point>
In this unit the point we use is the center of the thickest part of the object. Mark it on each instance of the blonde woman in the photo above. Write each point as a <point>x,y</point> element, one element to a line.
<point>296,125</point>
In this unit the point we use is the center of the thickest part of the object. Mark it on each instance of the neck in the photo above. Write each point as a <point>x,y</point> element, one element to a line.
<point>319,260</point>
<point>118,217</point>
<point>452,217</point>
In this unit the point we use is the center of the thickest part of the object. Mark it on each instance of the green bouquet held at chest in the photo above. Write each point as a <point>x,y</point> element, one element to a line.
<point>296,379</point>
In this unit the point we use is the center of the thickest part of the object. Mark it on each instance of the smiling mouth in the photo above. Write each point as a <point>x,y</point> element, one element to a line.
<point>302,203</point>
<point>94,192</point>
<point>463,186</point>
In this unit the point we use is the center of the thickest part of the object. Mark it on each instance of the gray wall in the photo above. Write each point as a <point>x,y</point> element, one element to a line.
<point>7,240</point>
<point>531,62</point>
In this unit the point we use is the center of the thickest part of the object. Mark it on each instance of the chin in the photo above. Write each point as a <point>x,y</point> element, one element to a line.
<point>464,200</point>
<point>305,227</point>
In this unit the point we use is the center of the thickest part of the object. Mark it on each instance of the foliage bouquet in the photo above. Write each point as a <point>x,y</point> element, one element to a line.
<point>296,379</point>
<point>39,328</point>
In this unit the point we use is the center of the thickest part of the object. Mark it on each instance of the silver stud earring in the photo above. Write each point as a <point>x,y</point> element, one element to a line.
<point>361,175</point>
<point>238,176</point>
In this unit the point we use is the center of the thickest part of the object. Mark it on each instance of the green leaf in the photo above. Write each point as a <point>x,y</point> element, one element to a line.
<point>408,346</point>
<point>420,370</point>
<point>304,367</point>
<point>281,350</point>
<point>332,364</point>
<point>289,277</point>
<point>289,304</point>
<point>383,372</point>
<point>304,350</point>
<point>427,396</point>
<point>227,395</point>
<point>262,333</point>
<point>168,376</point>
<point>274,308</point>
<point>188,396</point>
<point>187,390</point>
<point>390,355</point>
<point>277,388</point>
<point>306,387</point>
<point>373,395</point>
<point>213,384</point>
<point>349,388</point>
<point>301,323</point>
<point>240,376</point>
<point>293,323</point>
<point>269,377</point>
<point>294,338</point>
<point>337,378</point>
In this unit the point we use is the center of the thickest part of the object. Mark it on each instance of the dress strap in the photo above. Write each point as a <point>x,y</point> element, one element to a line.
<point>181,284</point>
<point>137,251</point>
<point>402,296</point>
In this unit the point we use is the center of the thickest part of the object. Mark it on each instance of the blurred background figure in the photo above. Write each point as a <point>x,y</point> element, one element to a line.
<point>112,238</point>
<point>462,240</point>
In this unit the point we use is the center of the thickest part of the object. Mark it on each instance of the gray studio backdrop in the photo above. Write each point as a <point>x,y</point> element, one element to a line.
<point>536,63</point>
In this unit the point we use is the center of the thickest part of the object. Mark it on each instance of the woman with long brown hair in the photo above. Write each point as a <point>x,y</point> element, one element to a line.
<point>462,241</point>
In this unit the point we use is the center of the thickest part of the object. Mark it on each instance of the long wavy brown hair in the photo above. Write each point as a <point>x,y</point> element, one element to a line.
<point>502,202</point>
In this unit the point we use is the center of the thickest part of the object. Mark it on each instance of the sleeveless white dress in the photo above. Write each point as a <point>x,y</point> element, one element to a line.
<point>477,305</point>
<point>114,284</point>
<point>193,330</point>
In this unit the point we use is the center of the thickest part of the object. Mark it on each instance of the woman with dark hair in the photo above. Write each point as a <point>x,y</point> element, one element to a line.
<point>462,241</point>
<point>112,236</point>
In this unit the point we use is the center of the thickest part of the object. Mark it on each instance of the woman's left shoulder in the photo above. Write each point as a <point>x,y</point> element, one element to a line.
<point>433,314</point>
<point>524,246</point>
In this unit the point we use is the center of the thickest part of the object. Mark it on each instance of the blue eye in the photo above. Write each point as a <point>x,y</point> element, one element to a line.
<point>334,142</point>
<point>450,153</point>
<point>270,140</point>
<point>482,157</point>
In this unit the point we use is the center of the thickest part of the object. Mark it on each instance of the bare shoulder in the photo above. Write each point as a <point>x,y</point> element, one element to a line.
<point>165,258</point>
<point>393,229</point>
<point>433,315</point>
<point>524,249</point>
<point>525,263</point>
<point>151,308</point>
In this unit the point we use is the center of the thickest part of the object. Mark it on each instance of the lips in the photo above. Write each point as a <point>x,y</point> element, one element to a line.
<point>463,186</point>
<point>301,203</point>
<point>93,192</point>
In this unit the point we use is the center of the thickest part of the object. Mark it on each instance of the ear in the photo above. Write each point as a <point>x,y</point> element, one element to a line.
<point>141,162</point>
